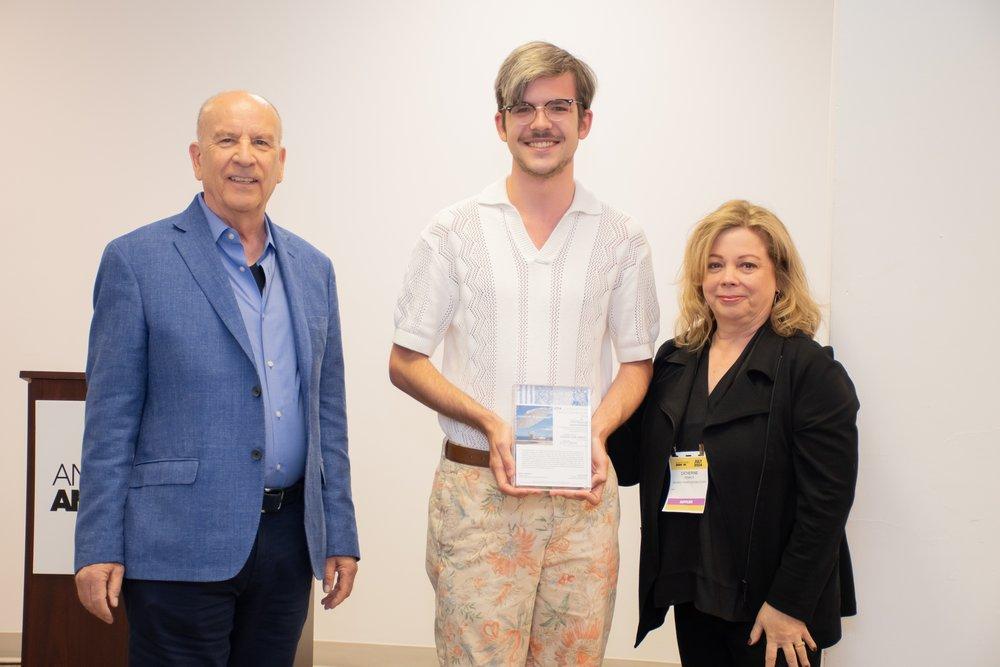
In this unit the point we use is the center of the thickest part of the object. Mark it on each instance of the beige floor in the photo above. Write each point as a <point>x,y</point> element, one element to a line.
<point>337,654</point>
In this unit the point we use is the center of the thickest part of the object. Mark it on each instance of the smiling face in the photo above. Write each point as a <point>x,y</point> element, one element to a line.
<point>739,284</point>
<point>238,156</point>
<point>542,148</point>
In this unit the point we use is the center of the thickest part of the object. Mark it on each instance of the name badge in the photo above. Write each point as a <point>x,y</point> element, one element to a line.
<point>688,482</point>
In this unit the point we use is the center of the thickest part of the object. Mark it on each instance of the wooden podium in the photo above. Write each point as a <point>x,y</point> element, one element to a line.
<point>56,629</point>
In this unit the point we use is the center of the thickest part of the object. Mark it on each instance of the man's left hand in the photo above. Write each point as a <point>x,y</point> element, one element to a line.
<point>338,579</point>
<point>599,463</point>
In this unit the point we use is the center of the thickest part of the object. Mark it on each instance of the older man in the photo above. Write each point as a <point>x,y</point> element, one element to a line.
<point>532,281</point>
<point>216,477</point>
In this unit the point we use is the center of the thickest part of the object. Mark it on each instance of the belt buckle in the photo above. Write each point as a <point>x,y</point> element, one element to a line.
<point>273,493</point>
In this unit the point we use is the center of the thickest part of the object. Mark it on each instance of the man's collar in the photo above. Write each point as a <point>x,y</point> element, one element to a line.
<point>495,194</point>
<point>218,227</point>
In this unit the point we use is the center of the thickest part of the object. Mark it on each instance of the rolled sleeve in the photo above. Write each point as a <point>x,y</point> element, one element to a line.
<point>635,311</point>
<point>429,294</point>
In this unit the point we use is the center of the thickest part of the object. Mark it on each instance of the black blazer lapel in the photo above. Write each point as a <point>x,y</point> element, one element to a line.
<point>673,386</point>
<point>750,393</point>
<point>197,248</point>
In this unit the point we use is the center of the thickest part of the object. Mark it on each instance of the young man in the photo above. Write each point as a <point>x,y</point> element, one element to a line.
<point>533,281</point>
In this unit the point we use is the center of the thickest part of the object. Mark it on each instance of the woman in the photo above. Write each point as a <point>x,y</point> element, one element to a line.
<point>763,573</point>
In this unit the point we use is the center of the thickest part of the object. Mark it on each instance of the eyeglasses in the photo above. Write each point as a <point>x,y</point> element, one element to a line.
<point>524,113</point>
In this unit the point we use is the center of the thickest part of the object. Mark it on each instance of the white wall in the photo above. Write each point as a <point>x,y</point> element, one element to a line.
<point>388,117</point>
<point>916,233</point>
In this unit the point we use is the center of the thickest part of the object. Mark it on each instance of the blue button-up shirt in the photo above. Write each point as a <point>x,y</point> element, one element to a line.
<point>269,327</point>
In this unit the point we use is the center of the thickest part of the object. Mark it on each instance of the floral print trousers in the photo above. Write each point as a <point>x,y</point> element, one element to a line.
<point>519,581</point>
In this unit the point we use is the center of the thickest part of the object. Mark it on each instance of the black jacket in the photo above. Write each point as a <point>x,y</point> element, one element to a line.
<point>783,455</point>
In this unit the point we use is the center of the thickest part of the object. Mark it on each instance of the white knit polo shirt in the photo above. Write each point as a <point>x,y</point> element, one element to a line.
<point>509,313</point>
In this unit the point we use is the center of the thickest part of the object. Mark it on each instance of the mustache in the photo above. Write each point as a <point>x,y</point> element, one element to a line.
<point>540,135</point>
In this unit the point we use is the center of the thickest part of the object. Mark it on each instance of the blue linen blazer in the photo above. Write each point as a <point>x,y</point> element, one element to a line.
<point>170,482</point>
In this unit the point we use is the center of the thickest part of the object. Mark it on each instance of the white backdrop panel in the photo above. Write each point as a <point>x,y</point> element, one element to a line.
<point>915,236</point>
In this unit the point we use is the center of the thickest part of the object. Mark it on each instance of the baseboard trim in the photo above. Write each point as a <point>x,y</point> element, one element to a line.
<point>10,647</point>
<point>352,654</point>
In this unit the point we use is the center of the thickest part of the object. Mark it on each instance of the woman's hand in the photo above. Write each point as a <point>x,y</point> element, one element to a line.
<point>782,631</point>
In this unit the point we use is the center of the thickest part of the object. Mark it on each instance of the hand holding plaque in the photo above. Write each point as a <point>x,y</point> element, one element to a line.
<point>552,440</point>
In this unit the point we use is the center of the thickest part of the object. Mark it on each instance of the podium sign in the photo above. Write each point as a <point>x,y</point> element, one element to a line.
<point>58,434</point>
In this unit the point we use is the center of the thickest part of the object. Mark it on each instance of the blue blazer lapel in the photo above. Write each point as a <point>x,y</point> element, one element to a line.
<point>288,264</point>
<point>197,248</point>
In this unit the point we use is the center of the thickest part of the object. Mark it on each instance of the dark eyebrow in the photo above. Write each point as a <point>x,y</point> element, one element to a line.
<point>554,99</point>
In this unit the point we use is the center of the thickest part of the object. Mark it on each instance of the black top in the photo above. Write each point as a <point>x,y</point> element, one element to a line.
<point>698,564</point>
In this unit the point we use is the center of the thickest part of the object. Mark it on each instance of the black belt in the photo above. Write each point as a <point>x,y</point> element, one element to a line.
<point>275,499</point>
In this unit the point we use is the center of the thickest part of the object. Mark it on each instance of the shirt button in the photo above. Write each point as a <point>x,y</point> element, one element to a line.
<point>242,269</point>
<point>270,364</point>
<point>230,236</point>
<point>256,455</point>
<point>277,467</point>
<point>277,413</point>
<point>255,391</point>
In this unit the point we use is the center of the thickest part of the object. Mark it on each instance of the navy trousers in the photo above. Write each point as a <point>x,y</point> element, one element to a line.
<point>708,641</point>
<point>255,618</point>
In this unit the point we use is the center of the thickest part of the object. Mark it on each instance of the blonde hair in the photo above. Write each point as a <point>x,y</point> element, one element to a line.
<point>535,60</point>
<point>794,309</point>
